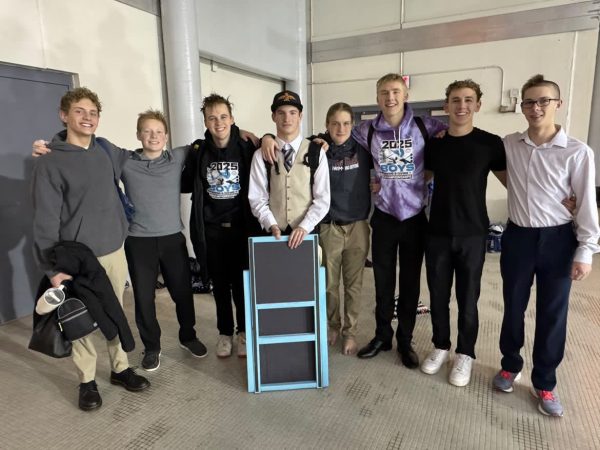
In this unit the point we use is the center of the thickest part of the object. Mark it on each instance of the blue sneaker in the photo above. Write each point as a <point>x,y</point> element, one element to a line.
<point>549,403</point>
<point>504,380</point>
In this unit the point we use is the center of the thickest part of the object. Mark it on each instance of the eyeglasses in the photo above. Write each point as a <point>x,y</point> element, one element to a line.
<point>541,102</point>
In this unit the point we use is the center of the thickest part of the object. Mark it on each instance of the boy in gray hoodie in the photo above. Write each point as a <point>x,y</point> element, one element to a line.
<point>75,199</point>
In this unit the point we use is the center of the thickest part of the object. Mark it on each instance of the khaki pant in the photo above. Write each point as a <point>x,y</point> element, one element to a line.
<point>84,353</point>
<point>345,248</point>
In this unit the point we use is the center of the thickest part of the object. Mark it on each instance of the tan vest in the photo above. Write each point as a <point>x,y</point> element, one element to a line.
<point>290,194</point>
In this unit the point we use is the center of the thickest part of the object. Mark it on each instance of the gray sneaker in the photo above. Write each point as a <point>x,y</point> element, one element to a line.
<point>224,346</point>
<point>549,403</point>
<point>504,380</point>
<point>241,345</point>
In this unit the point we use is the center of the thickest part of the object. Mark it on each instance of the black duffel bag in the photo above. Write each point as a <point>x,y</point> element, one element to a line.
<point>47,337</point>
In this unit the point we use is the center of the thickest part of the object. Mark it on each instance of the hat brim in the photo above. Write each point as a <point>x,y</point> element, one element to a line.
<point>277,105</point>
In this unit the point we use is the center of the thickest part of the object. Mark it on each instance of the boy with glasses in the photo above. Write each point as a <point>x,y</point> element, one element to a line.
<point>542,240</point>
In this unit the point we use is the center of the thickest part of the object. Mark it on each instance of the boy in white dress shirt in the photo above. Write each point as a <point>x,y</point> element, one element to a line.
<point>543,240</point>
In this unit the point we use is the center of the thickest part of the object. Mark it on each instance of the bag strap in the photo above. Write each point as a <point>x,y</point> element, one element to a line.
<point>422,128</point>
<point>311,159</point>
<point>268,166</point>
<point>104,146</point>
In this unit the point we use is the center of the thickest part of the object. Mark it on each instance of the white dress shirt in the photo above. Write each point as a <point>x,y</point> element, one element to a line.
<point>258,193</point>
<point>540,177</point>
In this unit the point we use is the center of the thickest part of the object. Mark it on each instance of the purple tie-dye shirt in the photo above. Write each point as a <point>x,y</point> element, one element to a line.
<point>398,157</point>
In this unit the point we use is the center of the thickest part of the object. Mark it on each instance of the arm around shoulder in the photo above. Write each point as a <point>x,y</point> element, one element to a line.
<point>586,217</point>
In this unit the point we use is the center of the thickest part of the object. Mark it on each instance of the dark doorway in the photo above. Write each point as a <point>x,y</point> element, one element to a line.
<point>29,99</point>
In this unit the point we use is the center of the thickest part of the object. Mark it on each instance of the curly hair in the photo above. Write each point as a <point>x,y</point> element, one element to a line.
<point>76,95</point>
<point>460,84</point>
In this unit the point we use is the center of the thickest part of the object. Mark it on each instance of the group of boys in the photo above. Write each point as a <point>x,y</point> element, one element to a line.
<point>290,197</point>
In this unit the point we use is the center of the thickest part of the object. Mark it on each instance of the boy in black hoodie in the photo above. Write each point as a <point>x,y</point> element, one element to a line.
<point>217,173</point>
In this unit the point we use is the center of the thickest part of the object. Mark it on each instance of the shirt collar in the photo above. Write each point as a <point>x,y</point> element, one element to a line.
<point>295,143</point>
<point>559,139</point>
<point>166,154</point>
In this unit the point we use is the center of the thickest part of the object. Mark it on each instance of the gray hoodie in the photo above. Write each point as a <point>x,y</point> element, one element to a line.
<point>75,199</point>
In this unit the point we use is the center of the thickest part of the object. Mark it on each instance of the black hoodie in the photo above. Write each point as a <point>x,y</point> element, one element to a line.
<point>349,175</point>
<point>201,154</point>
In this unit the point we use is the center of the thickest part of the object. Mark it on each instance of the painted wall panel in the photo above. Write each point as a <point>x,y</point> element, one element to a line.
<point>112,47</point>
<point>340,18</point>
<point>250,94</point>
<point>260,36</point>
<point>444,11</point>
<point>21,34</point>
<point>337,18</point>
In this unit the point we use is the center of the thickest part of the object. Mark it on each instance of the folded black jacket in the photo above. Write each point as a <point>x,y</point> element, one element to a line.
<point>91,285</point>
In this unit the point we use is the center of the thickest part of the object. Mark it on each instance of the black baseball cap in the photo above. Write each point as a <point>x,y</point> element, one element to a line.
<point>286,98</point>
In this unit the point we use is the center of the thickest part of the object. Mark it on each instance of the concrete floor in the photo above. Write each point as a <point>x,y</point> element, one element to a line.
<point>375,403</point>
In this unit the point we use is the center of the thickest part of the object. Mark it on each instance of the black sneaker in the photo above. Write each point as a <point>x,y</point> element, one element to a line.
<point>89,397</point>
<point>422,308</point>
<point>199,287</point>
<point>129,380</point>
<point>195,347</point>
<point>151,361</point>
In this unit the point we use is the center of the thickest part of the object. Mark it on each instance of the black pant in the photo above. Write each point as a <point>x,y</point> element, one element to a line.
<point>227,256</point>
<point>144,256</point>
<point>405,240</point>
<point>463,257</point>
<point>546,253</point>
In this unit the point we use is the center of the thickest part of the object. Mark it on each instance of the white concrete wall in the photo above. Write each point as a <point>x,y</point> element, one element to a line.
<point>567,58</point>
<point>112,47</point>
<point>416,12</point>
<point>342,18</point>
<point>264,37</point>
<point>250,94</point>
<point>260,35</point>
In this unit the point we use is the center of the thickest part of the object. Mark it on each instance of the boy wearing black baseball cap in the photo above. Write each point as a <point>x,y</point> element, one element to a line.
<point>283,199</point>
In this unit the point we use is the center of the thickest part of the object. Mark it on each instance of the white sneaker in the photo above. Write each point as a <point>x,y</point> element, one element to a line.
<point>460,375</point>
<point>435,361</point>
<point>224,346</point>
<point>241,345</point>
